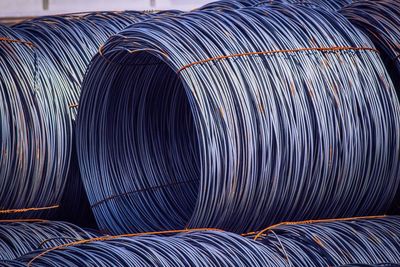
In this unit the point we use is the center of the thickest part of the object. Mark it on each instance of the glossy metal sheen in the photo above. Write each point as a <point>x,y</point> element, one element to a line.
<point>242,142</point>
<point>38,84</point>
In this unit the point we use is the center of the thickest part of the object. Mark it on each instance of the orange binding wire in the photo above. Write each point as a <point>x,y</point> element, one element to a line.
<point>105,238</point>
<point>73,105</point>
<point>4,39</point>
<point>27,209</point>
<point>311,222</point>
<point>322,49</point>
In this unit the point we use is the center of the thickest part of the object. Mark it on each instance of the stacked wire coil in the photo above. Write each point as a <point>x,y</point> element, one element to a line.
<point>197,248</point>
<point>44,61</point>
<point>331,5</point>
<point>380,20</point>
<point>336,243</point>
<point>343,242</point>
<point>20,238</point>
<point>271,113</point>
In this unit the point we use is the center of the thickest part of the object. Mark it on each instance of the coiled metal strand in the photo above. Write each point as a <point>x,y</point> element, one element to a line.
<point>380,20</point>
<point>38,130</point>
<point>348,241</point>
<point>19,238</point>
<point>359,241</point>
<point>273,113</point>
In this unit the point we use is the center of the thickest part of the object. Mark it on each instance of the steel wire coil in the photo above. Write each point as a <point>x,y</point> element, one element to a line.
<point>200,248</point>
<point>237,120</point>
<point>349,241</point>
<point>19,238</point>
<point>358,241</point>
<point>380,20</point>
<point>331,5</point>
<point>44,61</point>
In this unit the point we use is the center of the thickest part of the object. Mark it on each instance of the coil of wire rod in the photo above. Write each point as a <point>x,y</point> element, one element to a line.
<point>23,124</point>
<point>43,65</point>
<point>331,5</point>
<point>19,238</point>
<point>380,20</point>
<point>267,114</point>
<point>195,248</point>
<point>336,243</point>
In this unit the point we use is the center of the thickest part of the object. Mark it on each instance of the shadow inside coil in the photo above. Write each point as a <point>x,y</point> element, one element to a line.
<point>155,140</point>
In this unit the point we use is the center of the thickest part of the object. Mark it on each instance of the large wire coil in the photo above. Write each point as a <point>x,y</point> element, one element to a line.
<point>380,20</point>
<point>20,238</point>
<point>273,113</point>
<point>358,241</point>
<point>347,241</point>
<point>42,67</point>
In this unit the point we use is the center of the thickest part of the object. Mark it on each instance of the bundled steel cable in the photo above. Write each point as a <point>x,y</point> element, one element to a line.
<point>266,114</point>
<point>336,243</point>
<point>42,66</point>
<point>193,248</point>
<point>19,238</point>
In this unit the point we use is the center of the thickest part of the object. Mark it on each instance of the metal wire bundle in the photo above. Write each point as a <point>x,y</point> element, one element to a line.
<point>19,238</point>
<point>380,20</point>
<point>195,248</point>
<point>22,125</point>
<point>237,120</point>
<point>43,64</point>
<point>332,5</point>
<point>336,243</point>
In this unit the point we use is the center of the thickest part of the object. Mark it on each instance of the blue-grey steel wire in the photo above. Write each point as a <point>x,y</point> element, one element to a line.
<point>380,20</point>
<point>243,142</point>
<point>19,238</point>
<point>362,241</point>
<point>332,5</point>
<point>38,84</point>
<point>204,248</point>
<point>355,242</point>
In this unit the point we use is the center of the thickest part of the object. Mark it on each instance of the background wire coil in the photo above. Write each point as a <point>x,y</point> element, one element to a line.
<point>38,84</point>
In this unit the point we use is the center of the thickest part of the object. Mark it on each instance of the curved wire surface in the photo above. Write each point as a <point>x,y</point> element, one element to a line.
<point>19,238</point>
<point>380,20</point>
<point>204,248</point>
<point>40,78</point>
<point>186,123</point>
<point>332,5</point>
<point>369,241</point>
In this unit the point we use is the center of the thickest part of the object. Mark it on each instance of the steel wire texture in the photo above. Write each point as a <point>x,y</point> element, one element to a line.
<point>237,119</point>
<point>198,248</point>
<point>42,67</point>
<point>380,20</point>
<point>332,5</point>
<point>358,241</point>
<point>19,238</point>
